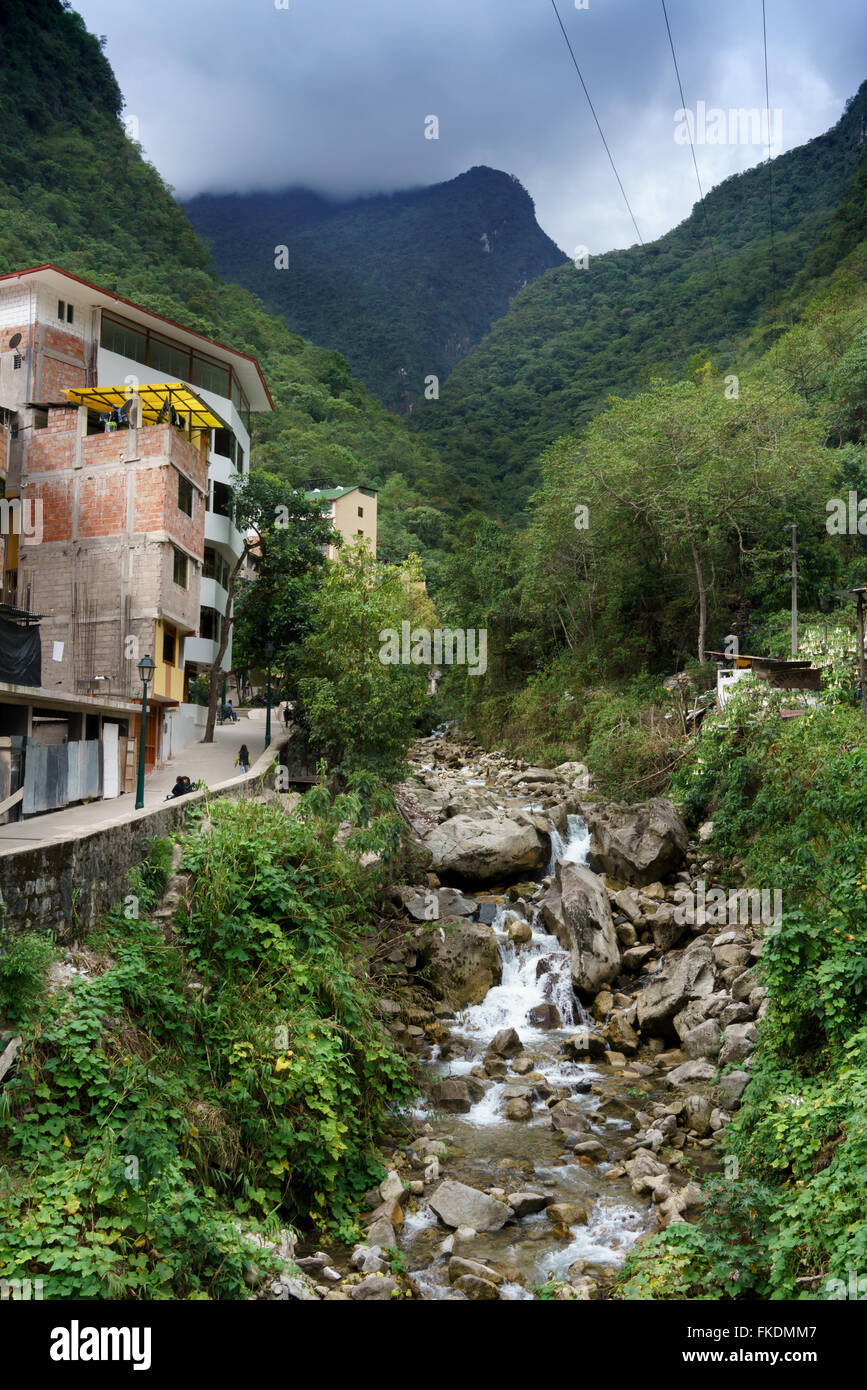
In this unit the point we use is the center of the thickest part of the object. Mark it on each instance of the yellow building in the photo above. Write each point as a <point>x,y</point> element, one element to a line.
<point>353,513</point>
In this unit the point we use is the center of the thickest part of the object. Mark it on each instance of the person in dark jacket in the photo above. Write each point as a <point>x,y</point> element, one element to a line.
<point>243,758</point>
<point>181,787</point>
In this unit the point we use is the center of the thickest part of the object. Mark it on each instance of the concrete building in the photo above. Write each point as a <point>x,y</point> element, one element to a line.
<point>352,513</point>
<point>121,434</point>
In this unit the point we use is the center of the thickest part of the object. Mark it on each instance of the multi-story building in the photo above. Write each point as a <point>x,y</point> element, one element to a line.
<point>352,511</point>
<point>122,433</point>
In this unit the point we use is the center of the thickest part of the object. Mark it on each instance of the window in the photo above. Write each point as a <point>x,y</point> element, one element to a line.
<point>210,624</point>
<point>185,495</point>
<point>61,309</point>
<point>69,313</point>
<point>215,567</point>
<point>222,499</point>
<point>359,533</point>
<point>179,572</point>
<point>210,375</point>
<point>224,443</point>
<point>361,511</point>
<point>123,338</point>
<point>169,645</point>
<point>239,458</point>
<point>168,357</point>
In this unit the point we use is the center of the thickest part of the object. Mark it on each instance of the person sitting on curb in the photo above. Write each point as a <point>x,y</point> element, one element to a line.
<point>181,787</point>
<point>243,758</point>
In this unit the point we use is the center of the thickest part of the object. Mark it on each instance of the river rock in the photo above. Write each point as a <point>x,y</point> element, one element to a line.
<point>666,927</point>
<point>703,1040</point>
<point>475,849</point>
<point>733,1085</point>
<point>544,1016</point>
<point>620,1035</point>
<point>684,1075</point>
<point>381,1232</point>
<point>583,1045</point>
<point>452,904</point>
<point>475,1288</point>
<point>667,993</point>
<point>636,844</point>
<point>506,1043</point>
<point>697,1111</point>
<point>528,1203</point>
<point>518,1109</point>
<point>580,918</point>
<point>570,1118</point>
<point>376,1287</point>
<point>452,1095</point>
<point>461,959</point>
<point>459,1267</point>
<point>739,1040</point>
<point>459,1205</point>
<point>567,1214</point>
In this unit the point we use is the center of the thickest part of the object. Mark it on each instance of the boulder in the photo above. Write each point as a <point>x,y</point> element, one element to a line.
<point>620,1035</point>
<point>703,1040</point>
<point>739,1040</point>
<point>376,1287</point>
<point>569,1117</point>
<point>684,1075</point>
<point>585,927</point>
<point>528,1203</point>
<point>567,1214</point>
<point>690,977</point>
<point>636,844</point>
<point>506,1043</point>
<point>461,959</point>
<point>518,1108</point>
<point>452,1095</point>
<point>733,1085</point>
<point>544,1016</point>
<point>475,849</point>
<point>476,1288</point>
<point>456,1204</point>
<point>697,1111</point>
<point>453,904</point>
<point>459,1267</point>
<point>666,927</point>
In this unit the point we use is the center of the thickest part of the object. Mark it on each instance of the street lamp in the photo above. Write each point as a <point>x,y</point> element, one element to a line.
<point>269,655</point>
<point>146,668</point>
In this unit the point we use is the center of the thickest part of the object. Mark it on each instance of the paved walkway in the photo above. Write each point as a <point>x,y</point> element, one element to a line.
<point>212,763</point>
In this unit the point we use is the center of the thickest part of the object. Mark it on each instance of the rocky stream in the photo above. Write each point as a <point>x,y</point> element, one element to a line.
<point>582,1023</point>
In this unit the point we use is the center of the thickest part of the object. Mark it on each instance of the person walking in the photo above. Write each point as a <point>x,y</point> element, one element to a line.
<point>287,715</point>
<point>243,758</point>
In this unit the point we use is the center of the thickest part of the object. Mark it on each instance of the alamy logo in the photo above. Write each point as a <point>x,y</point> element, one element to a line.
<point>420,647</point>
<point>21,517</point>
<point>731,909</point>
<point>76,1343</point>
<point>855,1288</point>
<point>739,125</point>
<point>846,518</point>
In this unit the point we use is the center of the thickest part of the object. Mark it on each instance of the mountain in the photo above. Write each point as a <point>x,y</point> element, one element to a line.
<point>75,191</point>
<point>402,284</point>
<point>575,336</point>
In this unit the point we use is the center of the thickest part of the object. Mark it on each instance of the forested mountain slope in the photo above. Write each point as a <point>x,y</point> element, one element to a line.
<point>403,284</point>
<point>576,335</point>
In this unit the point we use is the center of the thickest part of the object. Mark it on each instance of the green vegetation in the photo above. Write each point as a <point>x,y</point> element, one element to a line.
<point>77,192</point>
<point>361,711</point>
<point>576,335</point>
<point>198,1083</point>
<point>402,284</point>
<point>787,798</point>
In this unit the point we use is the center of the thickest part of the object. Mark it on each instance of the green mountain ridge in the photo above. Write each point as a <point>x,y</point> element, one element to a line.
<point>576,335</point>
<point>403,284</point>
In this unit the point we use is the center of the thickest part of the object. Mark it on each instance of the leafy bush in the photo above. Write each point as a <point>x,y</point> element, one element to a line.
<point>23,962</point>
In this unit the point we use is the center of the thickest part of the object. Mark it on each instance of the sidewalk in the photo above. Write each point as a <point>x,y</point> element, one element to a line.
<point>212,763</point>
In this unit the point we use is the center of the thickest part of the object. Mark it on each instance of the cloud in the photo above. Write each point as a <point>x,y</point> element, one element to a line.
<point>234,95</point>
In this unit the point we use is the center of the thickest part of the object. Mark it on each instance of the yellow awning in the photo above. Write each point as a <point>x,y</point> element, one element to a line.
<point>157,399</point>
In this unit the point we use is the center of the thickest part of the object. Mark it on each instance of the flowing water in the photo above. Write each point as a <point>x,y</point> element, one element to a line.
<point>489,1150</point>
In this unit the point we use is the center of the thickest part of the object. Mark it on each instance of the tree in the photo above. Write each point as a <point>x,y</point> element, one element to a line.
<point>288,535</point>
<point>361,708</point>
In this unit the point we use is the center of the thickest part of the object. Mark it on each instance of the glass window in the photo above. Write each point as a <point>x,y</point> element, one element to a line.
<point>210,624</point>
<point>215,567</point>
<point>179,573</point>
<point>69,313</point>
<point>224,443</point>
<point>169,641</point>
<point>61,309</point>
<point>185,495</point>
<point>210,375</point>
<point>169,358</point>
<point>123,338</point>
<point>222,499</point>
<point>361,511</point>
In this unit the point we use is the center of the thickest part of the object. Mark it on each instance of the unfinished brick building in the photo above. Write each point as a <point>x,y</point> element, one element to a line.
<point>122,434</point>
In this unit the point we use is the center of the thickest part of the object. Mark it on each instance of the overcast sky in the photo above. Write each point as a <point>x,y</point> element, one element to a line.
<point>334,94</point>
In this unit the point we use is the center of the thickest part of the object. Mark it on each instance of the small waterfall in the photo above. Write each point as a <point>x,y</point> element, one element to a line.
<point>539,972</point>
<point>574,849</point>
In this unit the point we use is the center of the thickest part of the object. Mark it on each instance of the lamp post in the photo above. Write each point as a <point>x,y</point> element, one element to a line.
<point>146,668</point>
<point>269,655</point>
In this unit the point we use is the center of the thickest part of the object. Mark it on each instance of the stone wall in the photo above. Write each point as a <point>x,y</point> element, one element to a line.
<point>64,885</point>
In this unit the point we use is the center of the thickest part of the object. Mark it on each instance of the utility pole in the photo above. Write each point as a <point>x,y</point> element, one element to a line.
<point>794,589</point>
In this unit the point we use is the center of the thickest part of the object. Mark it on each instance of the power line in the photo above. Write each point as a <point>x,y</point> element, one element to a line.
<point>770,164</point>
<point>598,124</point>
<point>697,174</point>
